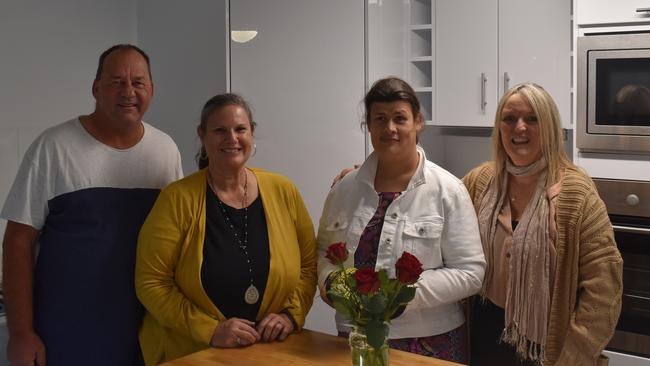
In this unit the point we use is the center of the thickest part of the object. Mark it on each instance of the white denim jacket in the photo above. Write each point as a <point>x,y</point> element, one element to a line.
<point>434,219</point>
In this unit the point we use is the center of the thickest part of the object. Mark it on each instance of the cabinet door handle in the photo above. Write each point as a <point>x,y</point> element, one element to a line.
<point>642,10</point>
<point>483,82</point>
<point>506,82</point>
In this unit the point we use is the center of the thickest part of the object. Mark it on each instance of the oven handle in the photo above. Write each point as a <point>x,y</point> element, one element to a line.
<point>636,297</point>
<point>632,230</point>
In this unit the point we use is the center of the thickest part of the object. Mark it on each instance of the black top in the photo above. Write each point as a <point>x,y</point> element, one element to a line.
<point>224,272</point>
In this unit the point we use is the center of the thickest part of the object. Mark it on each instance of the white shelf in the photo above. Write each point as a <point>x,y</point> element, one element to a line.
<point>421,75</point>
<point>421,11</point>
<point>420,69</point>
<point>421,42</point>
<point>421,26</point>
<point>426,101</point>
<point>422,59</point>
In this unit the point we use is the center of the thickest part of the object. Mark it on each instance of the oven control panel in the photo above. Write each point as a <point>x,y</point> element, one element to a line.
<point>625,197</point>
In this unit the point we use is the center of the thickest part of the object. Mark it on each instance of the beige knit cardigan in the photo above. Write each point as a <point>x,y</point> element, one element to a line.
<point>588,285</point>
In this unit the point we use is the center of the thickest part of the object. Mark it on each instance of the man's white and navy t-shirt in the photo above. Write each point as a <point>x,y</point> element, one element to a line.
<point>89,200</point>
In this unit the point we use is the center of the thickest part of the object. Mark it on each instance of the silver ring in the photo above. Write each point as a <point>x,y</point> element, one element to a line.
<point>238,340</point>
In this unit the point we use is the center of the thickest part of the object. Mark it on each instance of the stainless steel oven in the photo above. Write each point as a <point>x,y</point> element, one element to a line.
<point>628,205</point>
<point>613,93</point>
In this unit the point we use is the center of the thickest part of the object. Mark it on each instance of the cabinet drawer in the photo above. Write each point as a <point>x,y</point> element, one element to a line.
<point>601,12</point>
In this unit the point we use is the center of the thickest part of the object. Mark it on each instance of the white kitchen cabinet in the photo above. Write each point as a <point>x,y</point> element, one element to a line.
<point>387,39</point>
<point>465,62</point>
<point>187,46</point>
<point>303,74</point>
<point>608,12</point>
<point>482,47</point>
<point>400,43</point>
<point>535,45</point>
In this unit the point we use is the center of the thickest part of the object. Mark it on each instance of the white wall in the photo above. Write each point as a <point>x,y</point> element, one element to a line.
<point>187,45</point>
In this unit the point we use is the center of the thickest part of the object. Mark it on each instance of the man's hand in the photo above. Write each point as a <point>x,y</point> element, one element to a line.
<point>24,347</point>
<point>25,350</point>
<point>343,173</point>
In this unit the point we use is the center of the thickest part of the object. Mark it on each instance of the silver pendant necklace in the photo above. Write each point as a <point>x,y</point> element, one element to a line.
<point>252,294</point>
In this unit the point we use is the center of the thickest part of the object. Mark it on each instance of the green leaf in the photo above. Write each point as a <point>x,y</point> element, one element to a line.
<point>342,305</point>
<point>405,295</point>
<point>376,304</point>
<point>376,332</point>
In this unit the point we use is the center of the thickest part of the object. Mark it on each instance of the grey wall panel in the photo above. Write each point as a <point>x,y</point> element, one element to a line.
<point>187,45</point>
<point>304,76</point>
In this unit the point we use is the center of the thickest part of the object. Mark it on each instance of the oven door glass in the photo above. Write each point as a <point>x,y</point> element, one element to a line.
<point>623,91</point>
<point>620,103</point>
<point>633,329</point>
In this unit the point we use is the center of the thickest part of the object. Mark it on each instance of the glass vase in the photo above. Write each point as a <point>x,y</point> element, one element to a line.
<point>364,354</point>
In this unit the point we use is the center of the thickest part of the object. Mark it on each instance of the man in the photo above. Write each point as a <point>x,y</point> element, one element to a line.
<point>81,194</point>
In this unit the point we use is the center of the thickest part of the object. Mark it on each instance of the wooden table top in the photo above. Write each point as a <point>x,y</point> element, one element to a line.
<point>304,348</point>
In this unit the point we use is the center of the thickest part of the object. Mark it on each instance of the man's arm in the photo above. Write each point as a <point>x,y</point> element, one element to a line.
<point>25,347</point>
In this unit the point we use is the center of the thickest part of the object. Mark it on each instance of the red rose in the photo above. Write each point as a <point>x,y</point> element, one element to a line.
<point>337,253</point>
<point>367,281</point>
<point>408,269</point>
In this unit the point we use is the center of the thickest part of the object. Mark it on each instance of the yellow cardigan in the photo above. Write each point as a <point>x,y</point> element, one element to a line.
<point>180,317</point>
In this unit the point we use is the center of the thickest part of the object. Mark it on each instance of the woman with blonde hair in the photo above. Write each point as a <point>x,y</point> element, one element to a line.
<point>552,289</point>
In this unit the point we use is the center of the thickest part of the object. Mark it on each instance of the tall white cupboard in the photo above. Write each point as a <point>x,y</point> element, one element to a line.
<point>303,74</point>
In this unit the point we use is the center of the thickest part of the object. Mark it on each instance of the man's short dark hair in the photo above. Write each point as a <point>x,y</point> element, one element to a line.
<point>118,47</point>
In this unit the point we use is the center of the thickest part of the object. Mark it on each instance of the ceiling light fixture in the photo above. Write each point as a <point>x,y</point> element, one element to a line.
<point>242,36</point>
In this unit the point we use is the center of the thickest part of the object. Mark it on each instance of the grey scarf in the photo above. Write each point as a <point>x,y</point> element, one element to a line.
<point>528,288</point>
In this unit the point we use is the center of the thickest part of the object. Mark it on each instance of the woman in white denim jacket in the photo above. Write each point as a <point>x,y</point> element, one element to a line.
<point>399,201</point>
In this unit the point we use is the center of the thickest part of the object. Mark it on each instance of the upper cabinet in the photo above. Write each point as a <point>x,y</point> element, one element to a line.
<point>460,56</point>
<point>483,47</point>
<point>535,45</point>
<point>466,62</point>
<point>607,12</point>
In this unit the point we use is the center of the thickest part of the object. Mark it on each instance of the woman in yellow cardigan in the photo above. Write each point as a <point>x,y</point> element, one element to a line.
<point>227,256</point>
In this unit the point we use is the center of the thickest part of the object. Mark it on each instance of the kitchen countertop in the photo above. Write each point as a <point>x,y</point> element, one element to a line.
<point>304,348</point>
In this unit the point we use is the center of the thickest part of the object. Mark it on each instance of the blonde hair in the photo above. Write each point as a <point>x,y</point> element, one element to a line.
<point>550,131</point>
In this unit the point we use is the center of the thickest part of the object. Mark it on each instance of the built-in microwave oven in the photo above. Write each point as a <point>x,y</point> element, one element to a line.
<point>613,93</point>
